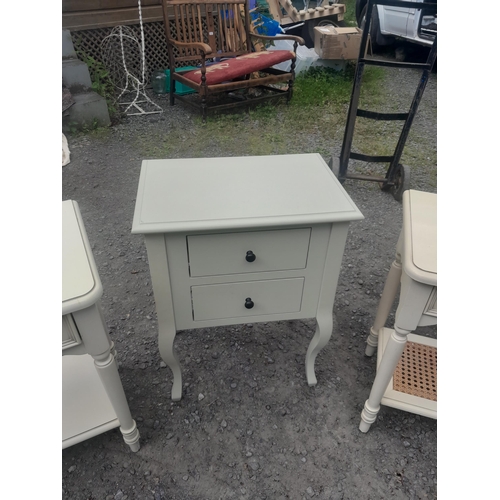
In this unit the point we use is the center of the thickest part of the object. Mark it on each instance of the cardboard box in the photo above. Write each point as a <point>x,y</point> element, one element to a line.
<point>337,43</point>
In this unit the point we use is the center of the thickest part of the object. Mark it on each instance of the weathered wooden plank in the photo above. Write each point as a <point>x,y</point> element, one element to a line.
<point>86,5</point>
<point>106,18</point>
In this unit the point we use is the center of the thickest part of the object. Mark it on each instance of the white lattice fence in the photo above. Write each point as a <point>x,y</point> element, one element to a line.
<point>89,43</point>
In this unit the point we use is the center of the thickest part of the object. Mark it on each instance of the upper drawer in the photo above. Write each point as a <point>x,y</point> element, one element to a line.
<point>248,252</point>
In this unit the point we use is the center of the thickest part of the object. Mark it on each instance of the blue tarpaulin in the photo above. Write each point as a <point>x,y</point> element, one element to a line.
<point>264,25</point>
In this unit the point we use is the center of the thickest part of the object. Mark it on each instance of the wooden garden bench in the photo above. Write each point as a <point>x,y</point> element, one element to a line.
<point>216,38</point>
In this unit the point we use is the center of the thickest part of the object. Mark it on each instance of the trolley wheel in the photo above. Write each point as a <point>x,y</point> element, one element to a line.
<point>384,186</point>
<point>401,181</point>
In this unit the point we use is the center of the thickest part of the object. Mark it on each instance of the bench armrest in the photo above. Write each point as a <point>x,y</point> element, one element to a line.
<point>204,47</point>
<point>294,38</point>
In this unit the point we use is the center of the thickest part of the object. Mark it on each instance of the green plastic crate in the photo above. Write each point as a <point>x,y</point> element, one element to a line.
<point>180,89</point>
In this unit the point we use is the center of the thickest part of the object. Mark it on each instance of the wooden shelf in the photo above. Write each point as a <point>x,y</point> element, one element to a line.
<point>86,409</point>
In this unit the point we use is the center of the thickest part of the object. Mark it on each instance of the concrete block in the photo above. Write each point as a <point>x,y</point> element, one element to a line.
<point>75,73</point>
<point>89,109</point>
<point>68,50</point>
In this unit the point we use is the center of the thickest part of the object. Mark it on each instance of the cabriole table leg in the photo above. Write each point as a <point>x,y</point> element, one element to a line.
<point>160,279</point>
<point>324,327</point>
<point>166,347</point>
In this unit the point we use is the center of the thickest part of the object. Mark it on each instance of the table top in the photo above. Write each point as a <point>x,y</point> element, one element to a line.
<point>81,286</point>
<point>420,236</point>
<point>179,195</point>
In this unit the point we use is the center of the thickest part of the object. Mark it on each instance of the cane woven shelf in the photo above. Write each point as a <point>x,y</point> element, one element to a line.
<point>413,386</point>
<point>416,372</point>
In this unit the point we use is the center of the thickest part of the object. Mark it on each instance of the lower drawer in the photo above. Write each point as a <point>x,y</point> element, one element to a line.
<point>249,298</point>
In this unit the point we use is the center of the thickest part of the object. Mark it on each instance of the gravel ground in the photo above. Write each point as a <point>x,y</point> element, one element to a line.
<point>248,426</point>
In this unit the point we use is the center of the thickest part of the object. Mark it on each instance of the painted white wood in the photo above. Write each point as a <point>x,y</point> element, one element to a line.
<point>324,319</point>
<point>162,289</point>
<point>420,236</point>
<point>389,293</point>
<point>178,270</point>
<point>70,335</point>
<point>181,195</point>
<point>201,216</point>
<point>213,254</point>
<point>431,308</point>
<point>81,285</point>
<point>86,411</point>
<point>417,299</point>
<point>227,300</point>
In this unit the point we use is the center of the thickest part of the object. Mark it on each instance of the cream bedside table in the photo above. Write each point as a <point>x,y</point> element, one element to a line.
<point>407,363</point>
<point>240,240</point>
<point>93,400</point>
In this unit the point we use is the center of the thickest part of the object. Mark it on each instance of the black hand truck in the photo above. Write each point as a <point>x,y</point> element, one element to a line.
<point>397,178</point>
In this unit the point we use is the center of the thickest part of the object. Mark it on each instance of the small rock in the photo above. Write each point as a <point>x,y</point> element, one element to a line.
<point>254,465</point>
<point>310,491</point>
<point>163,364</point>
<point>200,396</point>
<point>223,423</point>
<point>72,468</point>
<point>185,478</point>
<point>170,435</point>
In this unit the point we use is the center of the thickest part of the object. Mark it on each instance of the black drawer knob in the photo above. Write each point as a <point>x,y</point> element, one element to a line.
<point>249,303</point>
<point>250,257</point>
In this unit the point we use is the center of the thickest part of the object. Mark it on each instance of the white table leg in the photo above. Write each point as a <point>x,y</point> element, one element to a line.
<point>392,354</point>
<point>166,339</point>
<point>97,343</point>
<point>387,300</point>
<point>160,279</point>
<point>111,343</point>
<point>324,318</point>
<point>324,327</point>
<point>412,300</point>
<point>108,373</point>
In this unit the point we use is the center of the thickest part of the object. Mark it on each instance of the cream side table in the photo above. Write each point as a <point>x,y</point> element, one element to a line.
<point>240,240</point>
<point>407,363</point>
<point>93,400</point>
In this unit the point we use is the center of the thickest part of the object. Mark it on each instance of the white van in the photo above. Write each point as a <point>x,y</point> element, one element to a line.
<point>413,25</point>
